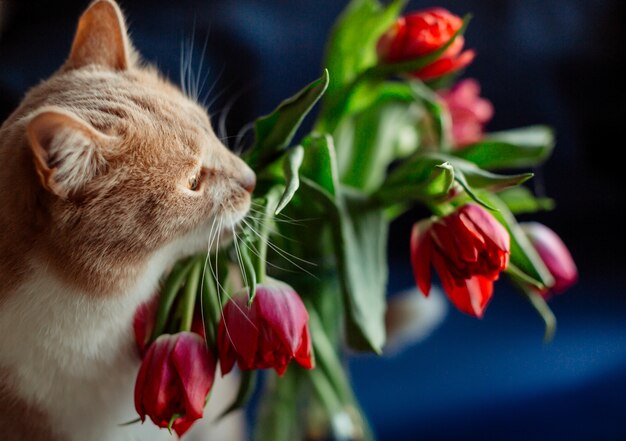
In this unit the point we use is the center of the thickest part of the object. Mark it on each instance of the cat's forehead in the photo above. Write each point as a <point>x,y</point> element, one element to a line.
<point>138,104</point>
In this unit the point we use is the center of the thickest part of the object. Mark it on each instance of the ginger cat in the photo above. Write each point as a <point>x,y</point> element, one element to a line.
<point>108,175</point>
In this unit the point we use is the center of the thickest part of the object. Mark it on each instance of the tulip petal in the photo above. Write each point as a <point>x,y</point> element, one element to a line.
<point>282,311</point>
<point>487,224</point>
<point>554,254</point>
<point>303,355</point>
<point>470,296</point>
<point>228,356</point>
<point>162,387</point>
<point>444,66</point>
<point>140,384</point>
<point>421,251</point>
<point>182,425</point>
<point>239,332</point>
<point>195,366</point>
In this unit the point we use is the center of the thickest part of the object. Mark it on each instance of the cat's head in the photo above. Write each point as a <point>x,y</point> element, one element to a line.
<point>124,163</point>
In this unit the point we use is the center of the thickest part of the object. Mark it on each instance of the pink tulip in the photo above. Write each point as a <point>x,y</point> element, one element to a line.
<point>468,111</point>
<point>174,381</point>
<point>421,33</point>
<point>268,334</point>
<point>555,255</point>
<point>468,248</point>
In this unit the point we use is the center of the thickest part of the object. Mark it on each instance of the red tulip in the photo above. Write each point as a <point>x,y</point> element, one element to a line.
<point>554,254</point>
<point>174,381</point>
<point>468,111</point>
<point>268,334</point>
<point>468,248</point>
<point>421,33</point>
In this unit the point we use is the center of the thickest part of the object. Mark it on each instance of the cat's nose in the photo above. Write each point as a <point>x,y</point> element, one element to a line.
<point>247,180</point>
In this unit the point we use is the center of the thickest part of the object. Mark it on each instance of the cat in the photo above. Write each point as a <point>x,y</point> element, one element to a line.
<point>108,175</point>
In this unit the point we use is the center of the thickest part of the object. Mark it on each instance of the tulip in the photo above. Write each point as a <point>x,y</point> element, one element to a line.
<point>421,33</point>
<point>468,249</point>
<point>174,381</point>
<point>468,111</point>
<point>268,334</point>
<point>555,256</point>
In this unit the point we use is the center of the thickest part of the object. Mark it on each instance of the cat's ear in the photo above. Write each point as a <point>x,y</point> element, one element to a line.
<point>67,151</point>
<point>101,38</point>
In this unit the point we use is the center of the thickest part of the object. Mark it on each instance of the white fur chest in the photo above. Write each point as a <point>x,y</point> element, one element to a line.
<point>74,356</point>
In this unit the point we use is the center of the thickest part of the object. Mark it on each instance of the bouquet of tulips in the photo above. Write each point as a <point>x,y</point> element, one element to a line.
<point>304,279</point>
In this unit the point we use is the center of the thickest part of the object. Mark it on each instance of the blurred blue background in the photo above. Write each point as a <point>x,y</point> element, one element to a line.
<point>554,63</point>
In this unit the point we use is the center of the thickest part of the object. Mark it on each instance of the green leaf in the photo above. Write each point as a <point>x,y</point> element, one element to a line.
<point>459,177</point>
<point>320,162</point>
<point>525,147</point>
<point>331,384</point>
<point>428,179</point>
<point>275,131</point>
<point>520,200</point>
<point>188,301</point>
<point>211,309</point>
<point>277,419</point>
<point>437,111</point>
<point>376,134</point>
<point>248,271</point>
<point>541,306</point>
<point>481,179</point>
<point>168,295</point>
<point>291,166</point>
<point>351,46</point>
<point>360,249</point>
<point>523,254</point>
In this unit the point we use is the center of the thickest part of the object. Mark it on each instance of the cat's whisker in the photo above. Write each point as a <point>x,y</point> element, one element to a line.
<point>198,86</point>
<point>287,219</point>
<point>240,137</point>
<point>284,254</point>
<point>253,249</point>
<point>222,289</point>
<point>272,228</point>
<point>207,94</point>
<point>204,267</point>
<point>244,274</point>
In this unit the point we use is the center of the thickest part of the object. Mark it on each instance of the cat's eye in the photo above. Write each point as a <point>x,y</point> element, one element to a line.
<point>194,183</point>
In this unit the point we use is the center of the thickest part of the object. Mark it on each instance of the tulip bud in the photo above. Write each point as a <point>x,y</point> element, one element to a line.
<point>421,33</point>
<point>268,334</point>
<point>555,256</point>
<point>174,381</point>
<point>468,248</point>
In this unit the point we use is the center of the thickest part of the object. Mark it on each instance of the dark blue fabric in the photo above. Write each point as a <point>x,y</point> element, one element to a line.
<point>494,379</point>
<point>551,62</point>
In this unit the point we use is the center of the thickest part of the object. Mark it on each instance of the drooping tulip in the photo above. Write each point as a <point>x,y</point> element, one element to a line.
<point>421,33</point>
<point>468,249</point>
<point>174,381</point>
<point>555,256</point>
<point>269,334</point>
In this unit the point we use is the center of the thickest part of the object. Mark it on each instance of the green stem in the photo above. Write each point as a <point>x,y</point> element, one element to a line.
<point>168,295</point>
<point>210,308</point>
<point>188,300</point>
